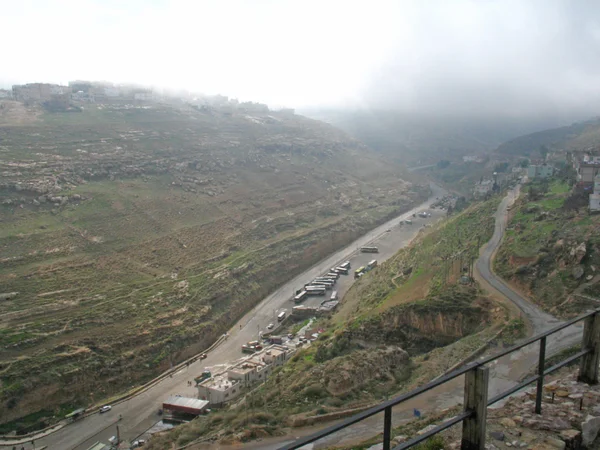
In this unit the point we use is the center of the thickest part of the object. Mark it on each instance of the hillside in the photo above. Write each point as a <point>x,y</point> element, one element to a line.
<point>422,140</point>
<point>580,136</point>
<point>401,325</point>
<point>133,236</point>
<point>552,250</point>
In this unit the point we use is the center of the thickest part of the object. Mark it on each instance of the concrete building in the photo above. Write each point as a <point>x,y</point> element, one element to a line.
<point>219,390</point>
<point>482,188</point>
<point>240,377</point>
<point>40,92</point>
<point>540,171</point>
<point>594,200</point>
<point>5,93</point>
<point>587,167</point>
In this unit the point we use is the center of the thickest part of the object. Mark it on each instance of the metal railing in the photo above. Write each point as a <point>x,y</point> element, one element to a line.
<point>476,399</point>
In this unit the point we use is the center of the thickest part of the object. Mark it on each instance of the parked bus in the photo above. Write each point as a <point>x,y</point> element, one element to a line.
<point>372,264</point>
<point>300,297</point>
<point>330,279</point>
<point>346,265</point>
<point>334,296</point>
<point>322,283</point>
<point>315,290</point>
<point>281,316</point>
<point>342,270</point>
<point>369,250</point>
<point>358,272</point>
<point>333,275</point>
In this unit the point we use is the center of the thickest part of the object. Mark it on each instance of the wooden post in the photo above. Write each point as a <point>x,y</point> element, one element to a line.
<point>476,397</point>
<point>588,370</point>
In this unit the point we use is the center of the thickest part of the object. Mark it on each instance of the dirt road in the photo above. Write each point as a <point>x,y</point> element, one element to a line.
<point>140,412</point>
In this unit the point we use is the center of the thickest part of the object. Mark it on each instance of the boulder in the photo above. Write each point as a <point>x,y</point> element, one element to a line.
<point>577,272</point>
<point>580,252</point>
<point>498,435</point>
<point>589,429</point>
<point>507,423</point>
<point>572,439</point>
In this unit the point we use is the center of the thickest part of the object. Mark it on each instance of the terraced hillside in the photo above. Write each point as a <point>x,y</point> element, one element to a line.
<point>134,236</point>
<point>399,326</point>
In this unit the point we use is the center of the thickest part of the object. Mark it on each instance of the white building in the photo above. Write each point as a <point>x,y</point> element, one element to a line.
<point>144,96</point>
<point>219,390</point>
<point>483,188</point>
<point>595,196</point>
<point>240,377</point>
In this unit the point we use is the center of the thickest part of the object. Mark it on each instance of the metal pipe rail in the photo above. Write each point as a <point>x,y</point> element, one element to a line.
<point>476,396</point>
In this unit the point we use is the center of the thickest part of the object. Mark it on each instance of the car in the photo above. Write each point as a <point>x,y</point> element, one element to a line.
<point>203,356</point>
<point>270,326</point>
<point>138,443</point>
<point>388,230</point>
<point>105,408</point>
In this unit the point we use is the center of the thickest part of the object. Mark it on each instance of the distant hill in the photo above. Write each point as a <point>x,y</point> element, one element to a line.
<point>136,235</point>
<point>418,140</point>
<point>579,135</point>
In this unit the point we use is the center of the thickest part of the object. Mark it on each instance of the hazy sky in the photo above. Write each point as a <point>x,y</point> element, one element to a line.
<point>514,57</point>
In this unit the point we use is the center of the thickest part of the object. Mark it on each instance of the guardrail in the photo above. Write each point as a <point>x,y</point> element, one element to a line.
<point>476,398</point>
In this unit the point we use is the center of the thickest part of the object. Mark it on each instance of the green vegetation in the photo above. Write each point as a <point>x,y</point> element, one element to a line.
<point>551,248</point>
<point>135,237</point>
<point>379,342</point>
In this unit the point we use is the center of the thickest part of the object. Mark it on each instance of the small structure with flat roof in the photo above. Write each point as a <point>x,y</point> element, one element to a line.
<point>183,408</point>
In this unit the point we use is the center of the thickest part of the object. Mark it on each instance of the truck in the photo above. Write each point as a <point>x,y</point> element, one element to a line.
<point>276,339</point>
<point>203,376</point>
<point>359,272</point>
<point>369,250</point>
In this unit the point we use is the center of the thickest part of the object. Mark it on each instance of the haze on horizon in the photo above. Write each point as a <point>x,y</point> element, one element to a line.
<point>490,57</point>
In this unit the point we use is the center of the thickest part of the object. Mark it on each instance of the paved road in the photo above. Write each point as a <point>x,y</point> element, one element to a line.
<point>504,372</point>
<point>140,412</point>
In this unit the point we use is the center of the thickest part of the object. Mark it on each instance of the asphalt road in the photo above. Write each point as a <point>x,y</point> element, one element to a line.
<point>505,372</point>
<point>140,412</point>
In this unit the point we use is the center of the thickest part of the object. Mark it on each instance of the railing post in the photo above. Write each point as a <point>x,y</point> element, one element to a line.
<point>588,370</point>
<point>540,381</point>
<point>476,397</point>
<point>387,428</point>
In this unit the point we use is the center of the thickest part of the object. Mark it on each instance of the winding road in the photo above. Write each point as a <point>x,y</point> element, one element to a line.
<point>139,412</point>
<point>505,372</point>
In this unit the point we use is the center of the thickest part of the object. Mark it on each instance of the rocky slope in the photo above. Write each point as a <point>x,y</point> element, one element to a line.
<point>551,250</point>
<point>135,235</point>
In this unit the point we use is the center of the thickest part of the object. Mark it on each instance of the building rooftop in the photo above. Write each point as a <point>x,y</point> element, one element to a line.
<point>219,383</point>
<point>186,402</point>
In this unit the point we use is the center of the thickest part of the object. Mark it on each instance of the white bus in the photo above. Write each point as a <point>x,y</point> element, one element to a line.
<point>300,297</point>
<point>334,295</point>
<point>281,316</point>
<point>372,264</point>
<point>315,290</point>
<point>346,265</point>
